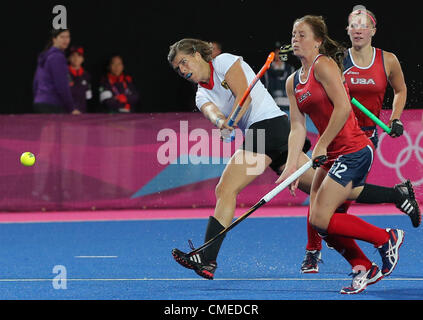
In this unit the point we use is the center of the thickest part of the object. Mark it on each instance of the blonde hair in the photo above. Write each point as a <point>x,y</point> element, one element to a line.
<point>370,15</point>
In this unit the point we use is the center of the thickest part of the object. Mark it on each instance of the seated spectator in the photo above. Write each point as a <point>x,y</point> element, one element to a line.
<point>51,89</point>
<point>117,90</point>
<point>80,80</point>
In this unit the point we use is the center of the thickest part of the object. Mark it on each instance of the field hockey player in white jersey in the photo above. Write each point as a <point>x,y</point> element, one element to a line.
<point>222,82</point>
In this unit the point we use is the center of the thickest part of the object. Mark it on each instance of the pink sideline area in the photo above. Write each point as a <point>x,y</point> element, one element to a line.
<point>169,213</point>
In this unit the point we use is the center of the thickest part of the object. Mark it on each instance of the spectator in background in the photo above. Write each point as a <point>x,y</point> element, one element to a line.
<point>217,49</point>
<point>117,90</point>
<point>274,79</point>
<point>80,80</point>
<point>51,89</point>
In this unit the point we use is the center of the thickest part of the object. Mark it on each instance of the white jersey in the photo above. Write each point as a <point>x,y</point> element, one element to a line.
<point>262,105</point>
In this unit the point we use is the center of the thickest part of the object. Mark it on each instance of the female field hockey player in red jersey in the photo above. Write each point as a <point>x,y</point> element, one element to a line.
<point>220,84</point>
<point>318,89</point>
<point>367,72</point>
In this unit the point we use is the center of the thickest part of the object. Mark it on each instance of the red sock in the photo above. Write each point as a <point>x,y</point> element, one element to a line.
<point>314,241</point>
<point>350,226</point>
<point>349,249</point>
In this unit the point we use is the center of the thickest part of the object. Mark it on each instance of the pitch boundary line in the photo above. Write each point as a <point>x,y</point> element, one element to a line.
<point>198,279</point>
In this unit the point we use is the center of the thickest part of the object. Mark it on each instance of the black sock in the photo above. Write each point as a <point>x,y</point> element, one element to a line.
<point>378,194</point>
<point>213,228</point>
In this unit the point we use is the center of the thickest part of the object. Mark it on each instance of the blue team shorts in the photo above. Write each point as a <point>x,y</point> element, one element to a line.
<point>374,138</point>
<point>352,167</point>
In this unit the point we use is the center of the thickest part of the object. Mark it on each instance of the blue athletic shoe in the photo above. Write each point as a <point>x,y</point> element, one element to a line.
<point>390,250</point>
<point>362,279</point>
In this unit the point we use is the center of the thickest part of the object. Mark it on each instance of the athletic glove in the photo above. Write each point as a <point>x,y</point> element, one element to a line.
<point>397,128</point>
<point>319,160</point>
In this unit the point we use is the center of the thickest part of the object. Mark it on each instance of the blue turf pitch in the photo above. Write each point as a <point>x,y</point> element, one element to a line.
<point>259,260</point>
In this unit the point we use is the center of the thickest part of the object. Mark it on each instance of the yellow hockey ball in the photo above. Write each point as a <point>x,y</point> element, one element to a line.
<point>27,159</point>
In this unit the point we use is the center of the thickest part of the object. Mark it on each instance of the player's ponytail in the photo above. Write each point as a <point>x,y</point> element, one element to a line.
<point>334,50</point>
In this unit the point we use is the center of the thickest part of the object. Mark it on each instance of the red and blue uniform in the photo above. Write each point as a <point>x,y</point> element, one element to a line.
<point>312,99</point>
<point>368,86</point>
<point>346,150</point>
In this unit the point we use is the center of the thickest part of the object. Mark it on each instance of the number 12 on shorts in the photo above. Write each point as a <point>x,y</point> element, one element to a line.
<point>337,169</point>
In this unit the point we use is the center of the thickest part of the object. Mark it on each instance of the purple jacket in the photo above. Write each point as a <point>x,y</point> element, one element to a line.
<point>51,80</point>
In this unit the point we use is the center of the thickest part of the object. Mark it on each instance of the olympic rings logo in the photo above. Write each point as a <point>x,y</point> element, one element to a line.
<point>404,155</point>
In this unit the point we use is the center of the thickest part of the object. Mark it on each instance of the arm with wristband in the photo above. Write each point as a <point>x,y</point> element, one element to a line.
<point>212,112</point>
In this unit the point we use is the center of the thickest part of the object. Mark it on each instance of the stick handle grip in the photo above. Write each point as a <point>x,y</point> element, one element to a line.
<point>233,118</point>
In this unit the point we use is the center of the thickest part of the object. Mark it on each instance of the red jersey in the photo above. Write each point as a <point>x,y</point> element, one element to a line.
<point>367,85</point>
<point>312,99</point>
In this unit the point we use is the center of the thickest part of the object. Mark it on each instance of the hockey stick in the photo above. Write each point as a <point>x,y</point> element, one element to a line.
<point>317,162</point>
<point>368,113</point>
<point>262,71</point>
